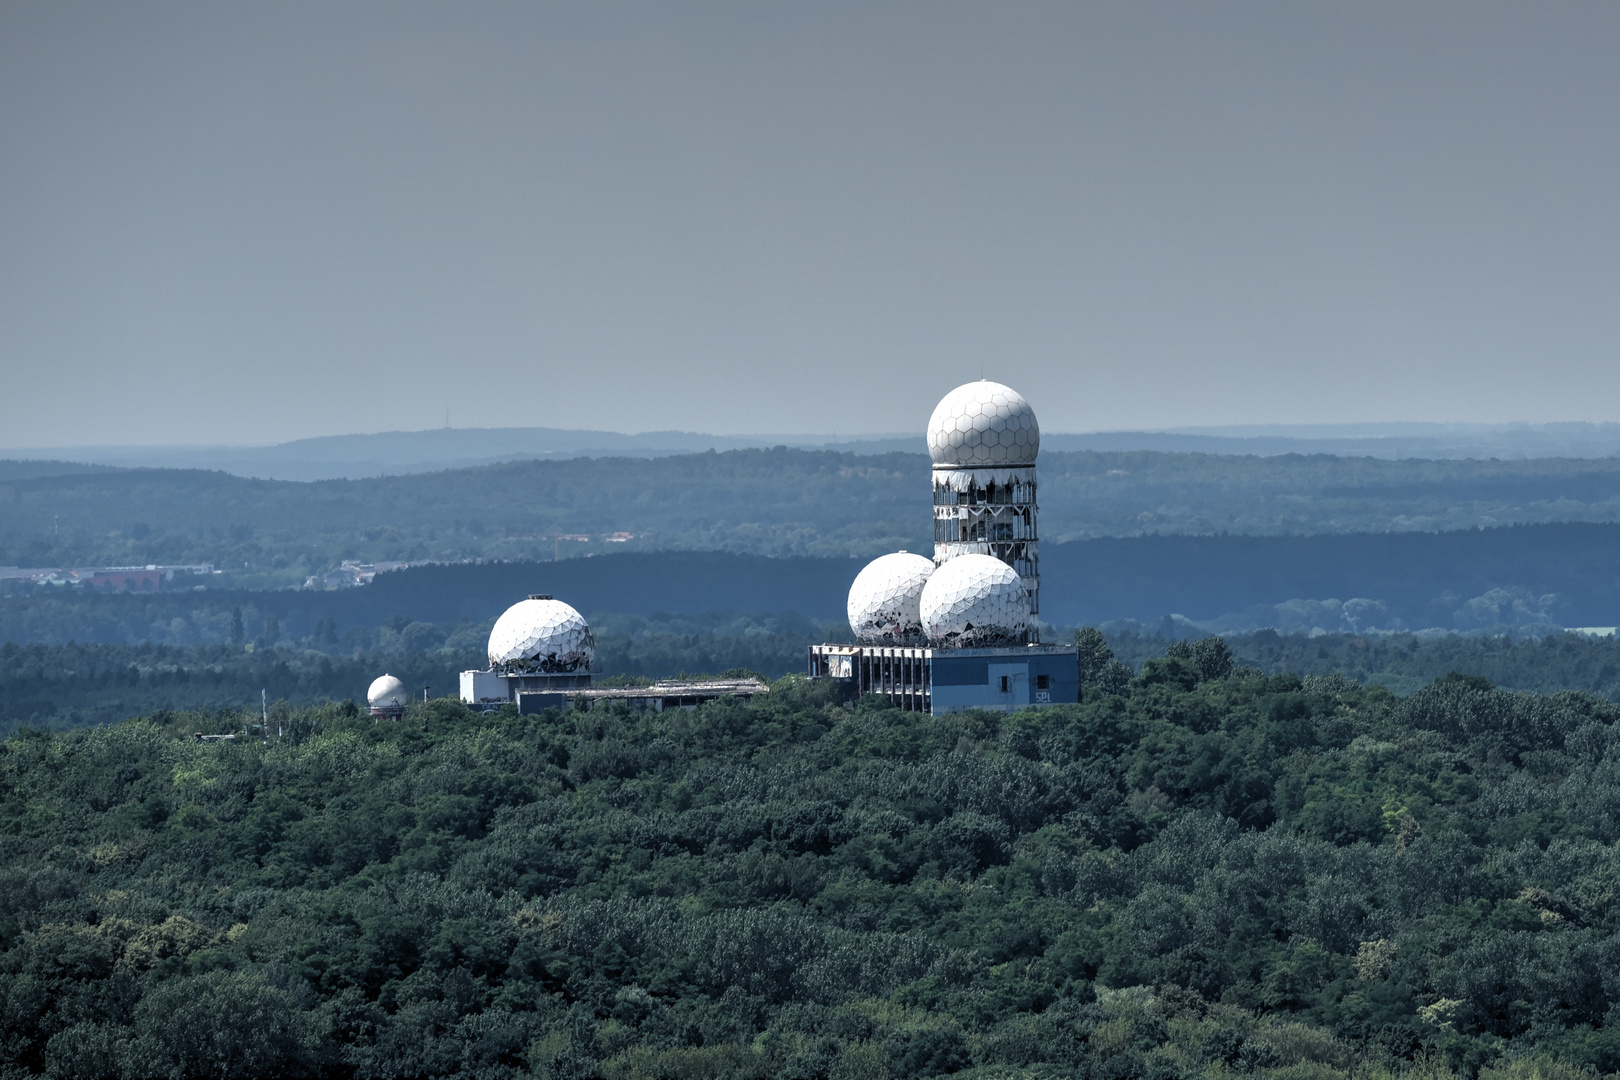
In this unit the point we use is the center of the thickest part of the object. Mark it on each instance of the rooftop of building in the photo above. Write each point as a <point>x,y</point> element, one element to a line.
<point>933,650</point>
<point>676,688</point>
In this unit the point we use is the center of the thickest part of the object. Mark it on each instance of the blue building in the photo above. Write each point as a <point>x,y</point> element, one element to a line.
<point>939,681</point>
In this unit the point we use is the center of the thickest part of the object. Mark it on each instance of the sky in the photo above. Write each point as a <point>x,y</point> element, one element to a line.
<point>250,223</point>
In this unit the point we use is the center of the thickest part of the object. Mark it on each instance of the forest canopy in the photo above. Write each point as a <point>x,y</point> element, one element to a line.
<point>1208,871</point>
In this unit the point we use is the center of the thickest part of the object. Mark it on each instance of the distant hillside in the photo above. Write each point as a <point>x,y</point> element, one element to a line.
<point>1390,441</point>
<point>1525,578</point>
<point>353,457</point>
<point>1488,579</point>
<point>769,502</point>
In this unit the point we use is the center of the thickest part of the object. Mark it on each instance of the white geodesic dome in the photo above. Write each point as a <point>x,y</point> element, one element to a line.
<point>884,601</point>
<point>973,601</point>
<point>983,423</point>
<point>387,692</point>
<point>541,634</point>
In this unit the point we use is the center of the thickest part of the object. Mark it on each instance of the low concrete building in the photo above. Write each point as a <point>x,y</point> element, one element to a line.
<point>671,694</point>
<point>540,656</point>
<point>939,681</point>
<point>493,688</point>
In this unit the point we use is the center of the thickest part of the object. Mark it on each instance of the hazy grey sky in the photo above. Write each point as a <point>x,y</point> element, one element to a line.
<point>258,222</point>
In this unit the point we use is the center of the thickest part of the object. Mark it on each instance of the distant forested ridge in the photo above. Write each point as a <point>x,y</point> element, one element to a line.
<point>771,502</point>
<point>693,583</point>
<point>397,452</point>
<point>1531,579</point>
<point>1531,576</point>
<point>1192,877</point>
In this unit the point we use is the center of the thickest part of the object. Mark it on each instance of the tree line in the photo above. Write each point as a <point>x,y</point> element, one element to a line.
<point>78,685</point>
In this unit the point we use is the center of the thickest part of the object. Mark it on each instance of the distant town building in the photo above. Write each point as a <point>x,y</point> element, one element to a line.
<point>351,573</point>
<point>149,578</point>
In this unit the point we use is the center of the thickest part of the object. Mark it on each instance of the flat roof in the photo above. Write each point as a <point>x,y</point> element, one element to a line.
<point>932,651</point>
<point>710,688</point>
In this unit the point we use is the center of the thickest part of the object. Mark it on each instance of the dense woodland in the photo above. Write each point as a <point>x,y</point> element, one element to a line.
<point>1207,872</point>
<point>770,502</point>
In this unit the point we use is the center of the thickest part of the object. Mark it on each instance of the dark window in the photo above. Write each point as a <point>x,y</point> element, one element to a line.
<point>1004,684</point>
<point>1043,682</point>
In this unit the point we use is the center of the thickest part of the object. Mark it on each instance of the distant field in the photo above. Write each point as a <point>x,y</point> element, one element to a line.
<point>764,502</point>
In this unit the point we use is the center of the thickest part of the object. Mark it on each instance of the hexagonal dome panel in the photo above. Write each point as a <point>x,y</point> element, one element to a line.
<point>974,601</point>
<point>975,418</point>
<point>541,635</point>
<point>884,602</point>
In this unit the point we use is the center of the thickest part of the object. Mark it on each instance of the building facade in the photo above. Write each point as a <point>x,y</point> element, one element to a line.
<point>940,681</point>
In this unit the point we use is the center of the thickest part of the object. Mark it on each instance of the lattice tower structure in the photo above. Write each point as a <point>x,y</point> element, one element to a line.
<point>983,439</point>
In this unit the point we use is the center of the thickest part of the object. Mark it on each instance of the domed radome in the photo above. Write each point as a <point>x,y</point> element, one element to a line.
<point>884,602</point>
<point>975,601</point>
<point>983,423</point>
<point>387,693</point>
<point>541,635</point>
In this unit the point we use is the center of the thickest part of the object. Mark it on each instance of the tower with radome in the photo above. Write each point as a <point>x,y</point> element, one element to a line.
<point>983,439</point>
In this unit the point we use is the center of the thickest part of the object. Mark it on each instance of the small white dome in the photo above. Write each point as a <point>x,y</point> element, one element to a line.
<point>983,423</point>
<point>884,600</point>
<point>974,601</point>
<point>387,692</point>
<point>541,634</point>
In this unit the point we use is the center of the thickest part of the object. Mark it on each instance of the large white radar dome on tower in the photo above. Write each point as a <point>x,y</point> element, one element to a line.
<point>541,634</point>
<point>983,423</point>
<point>975,601</point>
<point>885,600</point>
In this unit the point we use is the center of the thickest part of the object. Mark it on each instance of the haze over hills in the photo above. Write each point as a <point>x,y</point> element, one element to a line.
<point>1522,580</point>
<point>768,502</point>
<point>397,452</point>
<point>393,453</point>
